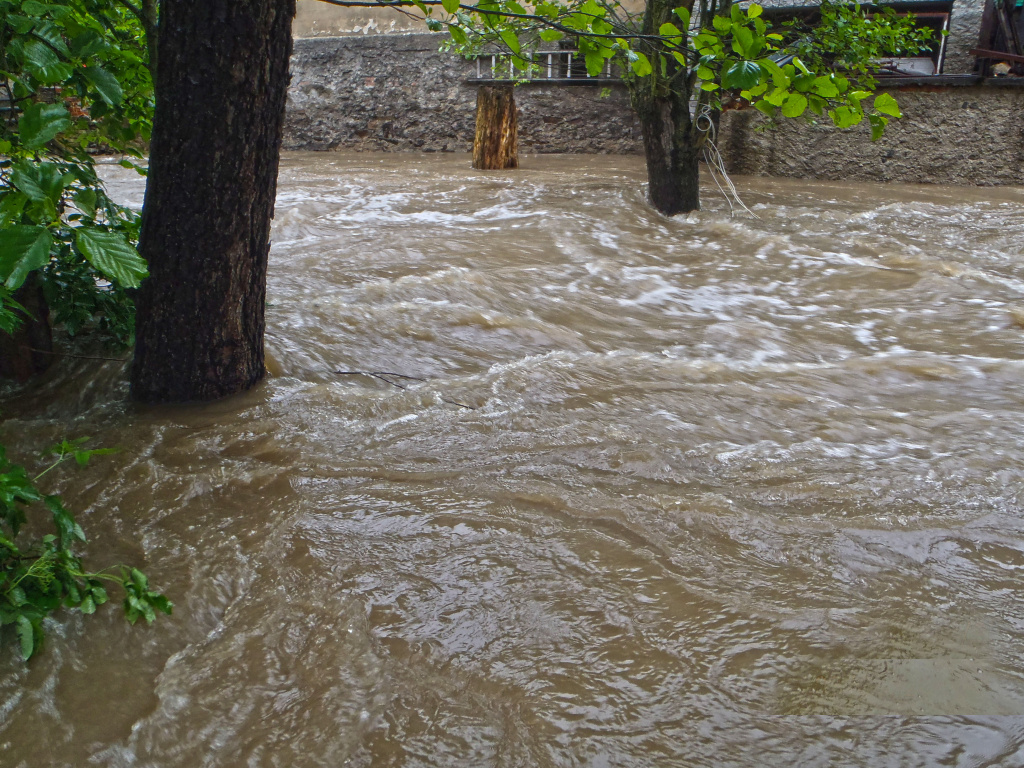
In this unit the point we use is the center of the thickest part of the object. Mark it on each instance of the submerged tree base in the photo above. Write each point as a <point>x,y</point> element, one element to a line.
<point>220,97</point>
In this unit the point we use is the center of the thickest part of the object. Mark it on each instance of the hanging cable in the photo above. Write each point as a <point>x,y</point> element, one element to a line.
<point>715,162</point>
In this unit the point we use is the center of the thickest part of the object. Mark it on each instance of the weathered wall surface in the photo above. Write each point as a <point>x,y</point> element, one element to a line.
<point>397,93</point>
<point>316,19</point>
<point>957,135</point>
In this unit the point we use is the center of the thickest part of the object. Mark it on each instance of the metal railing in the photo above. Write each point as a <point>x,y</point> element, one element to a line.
<point>553,66</point>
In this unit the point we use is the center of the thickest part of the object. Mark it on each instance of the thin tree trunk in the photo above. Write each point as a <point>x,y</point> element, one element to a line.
<point>496,146</point>
<point>220,98</point>
<point>26,352</point>
<point>150,17</point>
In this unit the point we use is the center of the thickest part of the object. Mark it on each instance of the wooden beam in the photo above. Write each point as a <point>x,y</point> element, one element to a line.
<point>984,53</point>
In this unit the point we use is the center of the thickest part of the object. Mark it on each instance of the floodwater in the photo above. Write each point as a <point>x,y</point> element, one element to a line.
<point>706,491</point>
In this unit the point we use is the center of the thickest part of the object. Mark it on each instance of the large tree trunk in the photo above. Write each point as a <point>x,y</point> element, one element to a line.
<point>672,148</point>
<point>220,98</point>
<point>496,145</point>
<point>29,350</point>
<point>672,142</point>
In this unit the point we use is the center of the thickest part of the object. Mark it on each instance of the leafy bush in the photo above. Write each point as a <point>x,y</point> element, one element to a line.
<point>73,79</point>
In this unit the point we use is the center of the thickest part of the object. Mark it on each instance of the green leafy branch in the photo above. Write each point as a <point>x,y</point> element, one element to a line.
<point>39,579</point>
<point>76,79</point>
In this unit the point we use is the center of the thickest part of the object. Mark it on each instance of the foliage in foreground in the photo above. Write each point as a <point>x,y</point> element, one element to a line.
<point>73,80</point>
<point>39,578</point>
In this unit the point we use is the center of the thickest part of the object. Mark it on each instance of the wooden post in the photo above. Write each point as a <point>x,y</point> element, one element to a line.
<point>496,147</point>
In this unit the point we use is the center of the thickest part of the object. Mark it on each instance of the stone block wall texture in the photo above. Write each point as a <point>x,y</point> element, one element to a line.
<point>957,135</point>
<point>397,93</point>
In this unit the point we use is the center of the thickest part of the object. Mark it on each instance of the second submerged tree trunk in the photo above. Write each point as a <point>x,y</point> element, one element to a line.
<point>672,147</point>
<point>496,146</point>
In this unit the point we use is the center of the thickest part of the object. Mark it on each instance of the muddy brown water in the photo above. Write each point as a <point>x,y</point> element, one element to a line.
<point>727,491</point>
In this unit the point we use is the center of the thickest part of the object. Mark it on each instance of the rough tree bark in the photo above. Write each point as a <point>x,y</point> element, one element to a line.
<point>220,97</point>
<point>496,145</point>
<point>672,141</point>
<point>29,349</point>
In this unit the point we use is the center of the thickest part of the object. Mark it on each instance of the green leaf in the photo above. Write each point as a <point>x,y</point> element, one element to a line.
<point>52,35</point>
<point>22,249</point>
<point>844,117</point>
<point>705,74</point>
<point>887,105</point>
<point>878,124</point>
<point>11,206</point>
<point>113,256</point>
<point>510,39</point>
<point>26,635</point>
<point>779,78</point>
<point>795,105</point>
<point>458,35</point>
<point>85,201</point>
<point>41,123</point>
<point>550,35</point>
<point>641,65</point>
<point>44,64</point>
<point>824,86</point>
<point>87,43</point>
<point>88,605</point>
<point>450,6</point>
<point>670,30</point>
<point>742,74</point>
<point>742,42</point>
<point>105,84</point>
<point>721,24</point>
<point>39,181</point>
<point>34,8</point>
<point>777,97</point>
<point>684,16</point>
<point>754,10</point>
<point>139,579</point>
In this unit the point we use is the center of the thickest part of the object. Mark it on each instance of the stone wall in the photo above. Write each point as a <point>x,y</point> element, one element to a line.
<point>397,93</point>
<point>954,135</point>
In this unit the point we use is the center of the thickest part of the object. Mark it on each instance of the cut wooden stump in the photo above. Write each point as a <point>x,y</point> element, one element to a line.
<point>496,146</point>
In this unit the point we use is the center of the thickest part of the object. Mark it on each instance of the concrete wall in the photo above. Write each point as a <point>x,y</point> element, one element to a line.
<point>397,93</point>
